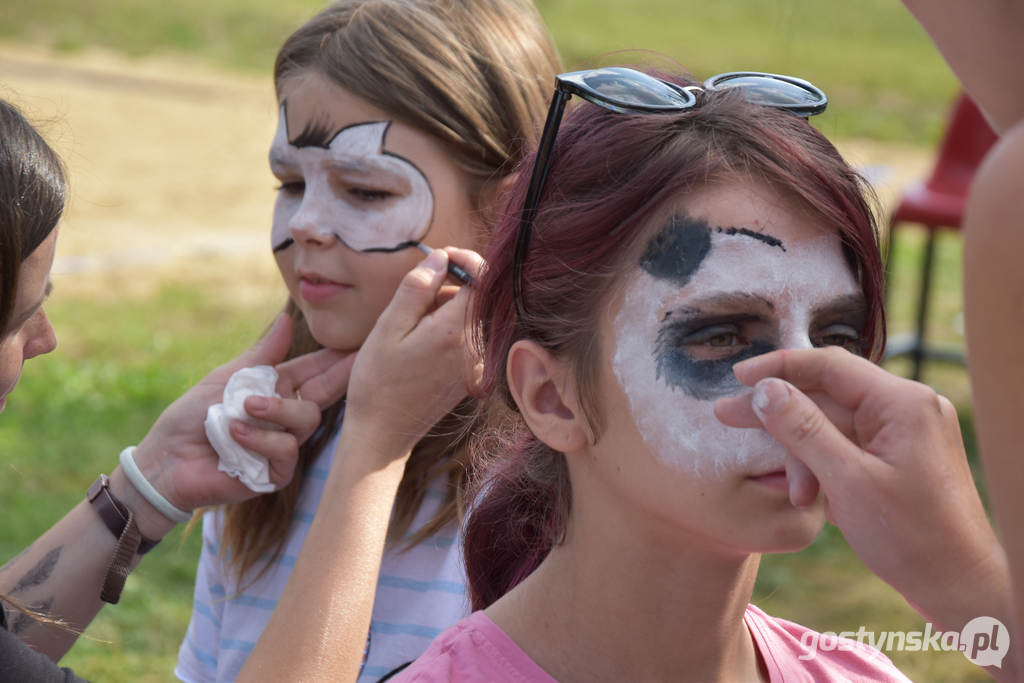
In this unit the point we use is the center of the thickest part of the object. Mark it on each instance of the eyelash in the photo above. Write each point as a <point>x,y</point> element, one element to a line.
<point>848,337</point>
<point>367,195</point>
<point>295,187</point>
<point>838,334</point>
<point>361,194</point>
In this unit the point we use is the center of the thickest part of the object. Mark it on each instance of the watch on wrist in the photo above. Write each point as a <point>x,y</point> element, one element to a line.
<point>113,512</point>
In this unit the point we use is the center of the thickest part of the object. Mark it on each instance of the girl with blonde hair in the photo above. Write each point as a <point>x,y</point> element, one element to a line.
<point>399,122</point>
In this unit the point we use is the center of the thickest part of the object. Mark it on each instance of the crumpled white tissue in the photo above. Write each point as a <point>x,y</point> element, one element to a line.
<point>237,461</point>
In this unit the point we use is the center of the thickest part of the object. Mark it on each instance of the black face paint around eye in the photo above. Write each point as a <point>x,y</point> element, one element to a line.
<point>704,380</point>
<point>677,251</point>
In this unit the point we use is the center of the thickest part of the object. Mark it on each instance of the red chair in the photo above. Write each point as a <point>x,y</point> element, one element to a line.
<point>939,203</point>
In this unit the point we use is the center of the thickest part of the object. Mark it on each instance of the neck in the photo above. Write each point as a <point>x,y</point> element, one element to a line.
<point>622,601</point>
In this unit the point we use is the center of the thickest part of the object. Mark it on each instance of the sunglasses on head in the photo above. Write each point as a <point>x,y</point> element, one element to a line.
<point>628,91</point>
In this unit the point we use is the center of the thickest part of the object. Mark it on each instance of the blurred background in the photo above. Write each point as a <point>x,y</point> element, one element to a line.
<point>164,112</point>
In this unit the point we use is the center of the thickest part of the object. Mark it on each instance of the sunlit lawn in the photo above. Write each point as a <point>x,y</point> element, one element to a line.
<point>122,360</point>
<point>884,78</point>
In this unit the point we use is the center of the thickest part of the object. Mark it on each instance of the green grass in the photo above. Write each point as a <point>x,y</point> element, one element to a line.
<point>120,362</point>
<point>118,365</point>
<point>884,77</point>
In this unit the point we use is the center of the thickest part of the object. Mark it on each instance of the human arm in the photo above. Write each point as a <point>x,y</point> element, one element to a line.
<point>888,455</point>
<point>414,367</point>
<point>994,316</point>
<point>61,573</point>
<point>982,42</point>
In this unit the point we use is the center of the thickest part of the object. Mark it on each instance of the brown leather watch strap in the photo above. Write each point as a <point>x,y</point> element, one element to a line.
<point>120,562</point>
<point>113,512</point>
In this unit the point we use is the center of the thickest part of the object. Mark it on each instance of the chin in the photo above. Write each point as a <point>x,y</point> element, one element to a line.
<point>339,340</point>
<point>793,532</point>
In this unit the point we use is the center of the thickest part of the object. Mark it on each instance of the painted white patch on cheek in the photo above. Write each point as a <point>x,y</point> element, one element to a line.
<point>388,223</point>
<point>680,430</point>
<point>285,206</point>
<point>361,223</point>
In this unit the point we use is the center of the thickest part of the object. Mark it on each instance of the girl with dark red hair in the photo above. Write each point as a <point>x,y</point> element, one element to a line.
<point>668,234</point>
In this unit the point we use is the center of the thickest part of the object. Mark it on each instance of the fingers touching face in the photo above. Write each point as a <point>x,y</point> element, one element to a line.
<point>735,275</point>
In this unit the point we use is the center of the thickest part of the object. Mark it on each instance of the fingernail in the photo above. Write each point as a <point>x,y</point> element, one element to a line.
<point>242,428</point>
<point>770,396</point>
<point>258,403</point>
<point>437,261</point>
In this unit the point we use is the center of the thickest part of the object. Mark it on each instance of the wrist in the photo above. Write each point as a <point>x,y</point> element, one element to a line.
<point>374,447</point>
<point>152,523</point>
<point>983,589</point>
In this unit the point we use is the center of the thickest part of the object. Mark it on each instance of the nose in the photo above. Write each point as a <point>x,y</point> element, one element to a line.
<point>797,337</point>
<point>42,338</point>
<point>309,225</point>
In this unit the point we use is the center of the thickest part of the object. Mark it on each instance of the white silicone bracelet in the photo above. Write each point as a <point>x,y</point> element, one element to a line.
<point>139,481</point>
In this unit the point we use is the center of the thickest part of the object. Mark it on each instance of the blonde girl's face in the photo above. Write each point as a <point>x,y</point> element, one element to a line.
<point>354,184</point>
<point>739,272</point>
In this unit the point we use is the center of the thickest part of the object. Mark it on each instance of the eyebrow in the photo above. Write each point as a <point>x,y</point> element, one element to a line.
<point>845,305</point>
<point>315,134</point>
<point>360,165</point>
<point>753,234</point>
<point>712,303</point>
<point>282,157</point>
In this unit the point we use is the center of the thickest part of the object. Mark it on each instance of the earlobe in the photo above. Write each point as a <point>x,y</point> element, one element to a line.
<point>547,400</point>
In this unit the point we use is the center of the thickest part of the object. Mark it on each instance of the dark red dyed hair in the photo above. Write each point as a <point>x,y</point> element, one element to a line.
<point>610,174</point>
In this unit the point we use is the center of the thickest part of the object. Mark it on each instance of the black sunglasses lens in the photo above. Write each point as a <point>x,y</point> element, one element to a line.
<point>774,92</point>
<point>634,89</point>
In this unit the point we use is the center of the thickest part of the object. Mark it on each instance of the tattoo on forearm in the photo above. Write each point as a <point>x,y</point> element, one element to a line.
<point>23,621</point>
<point>39,573</point>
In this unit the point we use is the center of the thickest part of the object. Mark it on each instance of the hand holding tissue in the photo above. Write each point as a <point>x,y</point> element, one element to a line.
<point>237,461</point>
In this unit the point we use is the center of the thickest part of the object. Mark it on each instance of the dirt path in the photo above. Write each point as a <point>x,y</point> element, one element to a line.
<point>168,168</point>
<point>167,165</point>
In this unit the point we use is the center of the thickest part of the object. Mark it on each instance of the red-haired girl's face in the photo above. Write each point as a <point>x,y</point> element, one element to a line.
<point>353,178</point>
<point>738,272</point>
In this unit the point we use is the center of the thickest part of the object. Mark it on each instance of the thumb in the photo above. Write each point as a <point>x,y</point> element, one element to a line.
<point>811,440</point>
<point>416,293</point>
<point>273,347</point>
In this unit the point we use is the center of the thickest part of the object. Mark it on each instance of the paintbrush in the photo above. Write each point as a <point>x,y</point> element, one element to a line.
<point>455,271</point>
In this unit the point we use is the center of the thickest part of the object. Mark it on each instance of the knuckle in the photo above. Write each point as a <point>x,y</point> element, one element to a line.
<point>807,426</point>
<point>418,279</point>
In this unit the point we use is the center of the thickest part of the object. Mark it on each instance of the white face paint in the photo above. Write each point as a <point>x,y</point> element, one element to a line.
<point>351,189</point>
<point>755,296</point>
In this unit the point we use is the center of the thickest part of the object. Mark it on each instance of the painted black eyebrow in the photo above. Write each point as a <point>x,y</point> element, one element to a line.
<point>315,134</point>
<point>759,236</point>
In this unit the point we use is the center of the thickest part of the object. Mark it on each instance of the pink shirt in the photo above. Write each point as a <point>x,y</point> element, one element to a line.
<point>476,649</point>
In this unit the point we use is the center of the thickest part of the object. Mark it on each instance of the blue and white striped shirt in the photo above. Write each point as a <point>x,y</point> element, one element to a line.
<point>420,592</point>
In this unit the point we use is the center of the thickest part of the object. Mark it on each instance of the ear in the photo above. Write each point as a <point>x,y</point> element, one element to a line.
<point>546,396</point>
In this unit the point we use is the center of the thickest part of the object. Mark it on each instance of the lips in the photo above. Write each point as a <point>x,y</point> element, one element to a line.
<point>776,480</point>
<point>316,288</point>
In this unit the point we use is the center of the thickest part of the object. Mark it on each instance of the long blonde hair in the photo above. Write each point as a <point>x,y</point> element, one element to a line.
<point>476,75</point>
